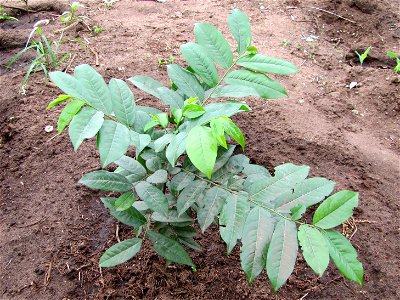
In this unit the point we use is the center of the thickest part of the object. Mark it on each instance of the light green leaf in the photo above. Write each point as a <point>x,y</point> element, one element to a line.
<point>218,132</point>
<point>106,181</point>
<point>180,181</point>
<point>162,142</point>
<point>233,91</point>
<point>113,142</point>
<point>297,211</point>
<point>66,115</point>
<point>170,97</point>
<point>67,83</point>
<point>344,256</point>
<point>193,111</point>
<point>265,86</point>
<point>314,247</point>
<point>239,26</point>
<point>212,40</point>
<point>85,125</point>
<point>232,129</point>
<point>213,200</point>
<point>251,169</point>
<point>185,81</point>
<point>120,253</point>
<point>124,201</point>
<point>60,99</point>
<point>232,219</point>
<point>335,210</point>
<point>190,194</point>
<point>170,249</point>
<point>159,176</point>
<point>131,216</point>
<point>257,233</point>
<point>152,196</point>
<point>262,63</point>
<point>308,192</point>
<point>176,148</point>
<point>201,147</point>
<point>147,84</point>
<point>282,253</point>
<point>95,90</point>
<point>123,102</point>
<point>200,63</point>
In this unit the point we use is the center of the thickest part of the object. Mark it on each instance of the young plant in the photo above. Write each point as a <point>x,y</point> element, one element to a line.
<point>396,69</point>
<point>70,15</point>
<point>6,17</point>
<point>362,57</point>
<point>185,170</point>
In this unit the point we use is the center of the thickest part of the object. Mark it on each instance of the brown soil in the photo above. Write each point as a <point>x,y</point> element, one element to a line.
<point>53,230</point>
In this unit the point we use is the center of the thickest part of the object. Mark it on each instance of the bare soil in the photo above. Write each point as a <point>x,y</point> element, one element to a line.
<point>53,230</point>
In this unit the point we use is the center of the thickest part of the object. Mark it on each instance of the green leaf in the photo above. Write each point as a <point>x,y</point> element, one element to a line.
<point>189,242</point>
<point>265,86</point>
<point>176,148</point>
<point>262,63</point>
<point>392,54</point>
<point>159,176</point>
<point>170,249</point>
<point>106,181</point>
<point>163,141</point>
<point>60,99</point>
<point>232,219</point>
<point>190,194</point>
<point>212,40</point>
<point>232,129</point>
<point>193,111</point>
<point>131,165</point>
<point>344,256</point>
<point>140,141</point>
<point>131,216</point>
<point>314,247</point>
<point>85,125</point>
<point>113,142</point>
<point>69,111</point>
<point>282,253</point>
<point>251,169</point>
<point>180,181</point>
<point>185,81</point>
<point>120,253</point>
<point>124,201</point>
<point>266,191</point>
<point>170,97</point>
<point>141,120</point>
<point>297,211</point>
<point>123,102</point>
<point>95,91</point>
<point>213,200</point>
<point>257,233</point>
<point>68,84</point>
<point>171,217</point>
<point>147,84</point>
<point>308,192</point>
<point>152,196</point>
<point>202,148</point>
<point>200,63</point>
<point>335,210</point>
<point>239,26</point>
<point>218,132</point>
<point>233,91</point>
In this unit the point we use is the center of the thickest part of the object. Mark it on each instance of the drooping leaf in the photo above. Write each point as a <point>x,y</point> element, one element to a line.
<point>233,130</point>
<point>170,249</point>
<point>217,130</point>
<point>308,192</point>
<point>282,253</point>
<point>147,84</point>
<point>257,233</point>
<point>344,256</point>
<point>120,253</point>
<point>131,216</point>
<point>212,40</point>
<point>95,90</point>
<point>159,176</point>
<point>335,210</point>
<point>113,141</point>
<point>189,242</point>
<point>314,247</point>
<point>200,63</point>
<point>152,196</point>
<point>232,220</point>
<point>124,201</point>
<point>85,125</point>
<point>239,26</point>
<point>60,99</point>
<point>123,102</point>
<point>180,181</point>
<point>190,194</point>
<point>185,81</point>
<point>106,181</point>
<point>265,86</point>
<point>66,115</point>
<point>202,148</point>
<point>176,148</point>
<point>262,63</point>
<point>214,200</point>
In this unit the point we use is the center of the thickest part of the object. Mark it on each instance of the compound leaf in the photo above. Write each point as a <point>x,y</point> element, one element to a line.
<point>152,196</point>
<point>123,102</point>
<point>120,253</point>
<point>239,26</point>
<point>213,200</point>
<point>262,63</point>
<point>106,181</point>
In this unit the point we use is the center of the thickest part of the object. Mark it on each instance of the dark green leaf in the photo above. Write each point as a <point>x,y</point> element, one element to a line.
<point>141,120</point>
<point>190,194</point>
<point>106,181</point>
<point>120,253</point>
<point>152,196</point>
<point>69,111</point>
<point>131,216</point>
<point>251,169</point>
<point>147,84</point>
<point>123,102</point>
<point>131,165</point>
<point>214,200</point>
<point>170,97</point>
<point>185,81</point>
<point>233,91</point>
<point>239,26</point>
<point>159,176</point>
<point>180,181</point>
<point>189,242</point>
<point>171,217</point>
<point>140,141</point>
<point>262,63</point>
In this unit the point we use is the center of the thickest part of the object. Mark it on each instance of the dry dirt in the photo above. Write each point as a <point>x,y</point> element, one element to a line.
<point>53,230</point>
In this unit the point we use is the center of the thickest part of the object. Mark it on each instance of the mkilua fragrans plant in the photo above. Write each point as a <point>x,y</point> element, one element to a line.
<point>185,170</point>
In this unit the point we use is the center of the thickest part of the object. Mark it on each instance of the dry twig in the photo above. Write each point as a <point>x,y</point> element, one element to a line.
<point>332,13</point>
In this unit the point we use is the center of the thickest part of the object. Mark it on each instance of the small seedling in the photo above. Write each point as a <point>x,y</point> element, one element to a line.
<point>6,17</point>
<point>70,15</point>
<point>97,29</point>
<point>363,56</point>
<point>396,69</point>
<point>163,62</point>
<point>285,43</point>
